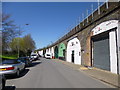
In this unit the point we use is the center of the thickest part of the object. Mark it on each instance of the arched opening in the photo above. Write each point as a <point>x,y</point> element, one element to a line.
<point>61,53</point>
<point>74,51</point>
<point>44,51</point>
<point>104,42</point>
<point>56,52</point>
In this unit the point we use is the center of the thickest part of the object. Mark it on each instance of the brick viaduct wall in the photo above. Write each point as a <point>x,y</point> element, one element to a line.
<point>83,30</point>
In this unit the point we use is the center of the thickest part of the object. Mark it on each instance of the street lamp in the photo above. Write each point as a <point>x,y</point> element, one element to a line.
<point>19,42</point>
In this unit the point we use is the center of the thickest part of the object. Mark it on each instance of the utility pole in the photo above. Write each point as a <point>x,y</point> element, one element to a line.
<point>19,43</point>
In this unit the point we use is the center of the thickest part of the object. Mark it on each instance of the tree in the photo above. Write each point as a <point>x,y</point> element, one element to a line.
<point>14,45</point>
<point>9,31</point>
<point>29,44</point>
<point>25,45</point>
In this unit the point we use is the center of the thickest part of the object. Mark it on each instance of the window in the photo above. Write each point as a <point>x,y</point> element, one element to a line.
<point>72,43</point>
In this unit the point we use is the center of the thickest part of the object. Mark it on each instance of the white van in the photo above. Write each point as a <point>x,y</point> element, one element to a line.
<point>48,55</point>
<point>34,56</point>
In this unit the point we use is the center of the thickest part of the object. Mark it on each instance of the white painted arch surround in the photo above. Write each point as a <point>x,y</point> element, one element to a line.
<point>52,52</point>
<point>77,51</point>
<point>41,53</point>
<point>106,26</point>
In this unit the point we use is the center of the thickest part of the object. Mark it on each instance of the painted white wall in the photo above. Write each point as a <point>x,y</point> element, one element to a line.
<point>105,26</point>
<point>113,53</point>
<point>77,50</point>
<point>118,44</point>
<point>52,51</point>
<point>41,52</point>
<point>48,51</point>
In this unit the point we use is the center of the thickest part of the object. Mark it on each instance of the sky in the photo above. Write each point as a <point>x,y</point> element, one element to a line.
<point>48,21</point>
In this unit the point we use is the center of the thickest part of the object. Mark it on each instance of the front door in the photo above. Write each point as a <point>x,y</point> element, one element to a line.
<point>64,54</point>
<point>72,55</point>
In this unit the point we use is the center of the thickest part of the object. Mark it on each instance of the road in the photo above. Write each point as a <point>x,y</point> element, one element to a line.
<point>47,73</point>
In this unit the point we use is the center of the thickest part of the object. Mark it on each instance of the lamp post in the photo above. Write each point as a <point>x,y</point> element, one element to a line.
<point>19,42</point>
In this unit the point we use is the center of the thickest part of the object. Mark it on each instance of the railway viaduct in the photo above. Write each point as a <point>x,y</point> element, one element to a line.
<point>94,42</point>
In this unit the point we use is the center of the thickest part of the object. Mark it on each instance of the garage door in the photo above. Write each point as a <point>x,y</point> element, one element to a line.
<point>101,52</point>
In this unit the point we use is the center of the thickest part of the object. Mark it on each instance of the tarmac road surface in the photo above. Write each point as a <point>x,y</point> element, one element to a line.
<point>46,73</point>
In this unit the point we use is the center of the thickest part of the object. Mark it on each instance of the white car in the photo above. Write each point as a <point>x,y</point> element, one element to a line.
<point>48,56</point>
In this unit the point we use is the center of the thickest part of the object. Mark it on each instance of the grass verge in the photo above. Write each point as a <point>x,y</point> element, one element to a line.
<point>8,56</point>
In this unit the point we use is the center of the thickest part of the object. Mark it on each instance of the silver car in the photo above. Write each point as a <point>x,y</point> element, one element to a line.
<point>11,66</point>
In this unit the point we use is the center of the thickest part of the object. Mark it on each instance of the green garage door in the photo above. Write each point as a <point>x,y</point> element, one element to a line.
<point>56,52</point>
<point>101,53</point>
<point>61,51</point>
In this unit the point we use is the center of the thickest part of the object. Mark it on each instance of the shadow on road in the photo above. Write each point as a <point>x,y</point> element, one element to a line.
<point>23,73</point>
<point>35,63</point>
<point>9,88</point>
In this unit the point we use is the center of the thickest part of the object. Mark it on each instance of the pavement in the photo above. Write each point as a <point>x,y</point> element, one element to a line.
<point>102,75</point>
<point>47,73</point>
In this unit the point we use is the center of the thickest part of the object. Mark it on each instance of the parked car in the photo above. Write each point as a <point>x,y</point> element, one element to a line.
<point>2,81</point>
<point>48,56</point>
<point>11,67</point>
<point>34,57</point>
<point>26,60</point>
